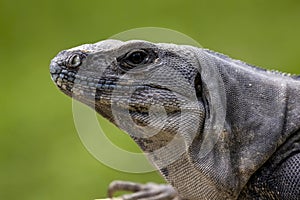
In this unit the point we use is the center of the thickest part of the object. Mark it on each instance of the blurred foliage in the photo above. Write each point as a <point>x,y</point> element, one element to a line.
<point>41,156</point>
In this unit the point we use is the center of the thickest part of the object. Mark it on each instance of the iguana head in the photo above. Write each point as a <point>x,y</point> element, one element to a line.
<point>142,87</point>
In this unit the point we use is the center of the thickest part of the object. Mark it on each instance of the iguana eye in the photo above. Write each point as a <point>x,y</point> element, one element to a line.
<point>74,61</point>
<point>137,58</point>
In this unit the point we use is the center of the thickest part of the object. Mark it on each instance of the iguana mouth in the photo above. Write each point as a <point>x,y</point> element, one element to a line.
<point>104,91</point>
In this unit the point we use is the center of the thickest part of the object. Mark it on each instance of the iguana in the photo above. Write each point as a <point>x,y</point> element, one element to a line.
<point>215,127</point>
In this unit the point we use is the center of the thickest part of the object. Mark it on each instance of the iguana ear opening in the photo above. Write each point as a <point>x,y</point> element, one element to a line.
<point>201,93</point>
<point>210,92</point>
<point>198,86</point>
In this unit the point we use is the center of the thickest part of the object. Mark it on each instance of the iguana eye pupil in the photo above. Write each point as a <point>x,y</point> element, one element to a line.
<point>138,57</point>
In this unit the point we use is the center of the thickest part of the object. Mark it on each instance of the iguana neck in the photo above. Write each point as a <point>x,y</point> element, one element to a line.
<point>262,111</point>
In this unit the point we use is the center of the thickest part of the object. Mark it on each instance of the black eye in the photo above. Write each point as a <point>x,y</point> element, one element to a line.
<point>137,57</point>
<point>74,61</point>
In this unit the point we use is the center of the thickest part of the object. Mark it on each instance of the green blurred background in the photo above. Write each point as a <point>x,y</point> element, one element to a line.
<point>41,156</point>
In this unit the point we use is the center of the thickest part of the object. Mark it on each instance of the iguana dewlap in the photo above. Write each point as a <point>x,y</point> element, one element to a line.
<point>215,127</point>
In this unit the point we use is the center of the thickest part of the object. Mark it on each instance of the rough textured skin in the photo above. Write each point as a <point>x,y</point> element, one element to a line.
<point>235,126</point>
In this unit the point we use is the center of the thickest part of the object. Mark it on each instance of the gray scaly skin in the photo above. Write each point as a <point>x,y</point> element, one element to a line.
<point>250,116</point>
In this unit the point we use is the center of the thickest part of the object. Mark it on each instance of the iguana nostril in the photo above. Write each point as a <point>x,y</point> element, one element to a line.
<point>74,61</point>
